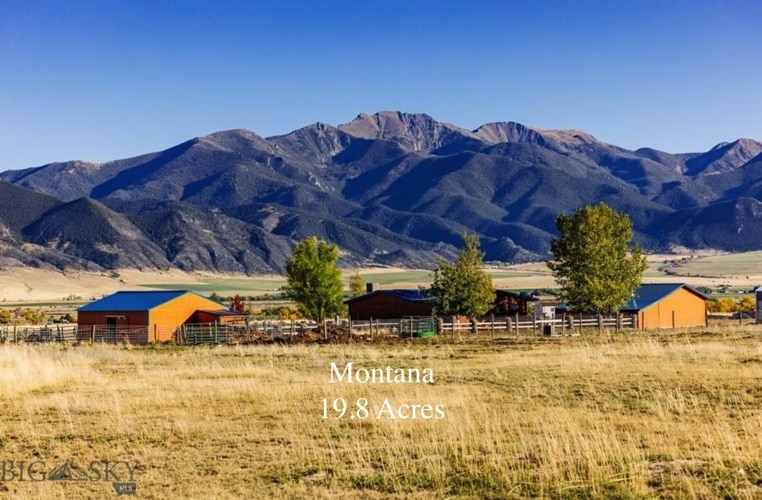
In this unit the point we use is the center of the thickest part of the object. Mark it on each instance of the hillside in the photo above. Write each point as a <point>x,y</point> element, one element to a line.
<point>389,188</point>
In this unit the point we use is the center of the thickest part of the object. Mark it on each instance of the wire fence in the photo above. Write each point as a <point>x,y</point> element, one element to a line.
<point>38,333</point>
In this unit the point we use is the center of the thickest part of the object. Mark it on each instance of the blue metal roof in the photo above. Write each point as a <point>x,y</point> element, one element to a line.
<point>132,301</point>
<point>651,293</point>
<point>411,295</point>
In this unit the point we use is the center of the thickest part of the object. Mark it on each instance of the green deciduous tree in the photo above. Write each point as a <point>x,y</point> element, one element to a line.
<point>314,279</point>
<point>356,285</point>
<point>463,288</point>
<point>593,262</point>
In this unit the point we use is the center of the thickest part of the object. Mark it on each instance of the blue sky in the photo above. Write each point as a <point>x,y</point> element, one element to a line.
<point>107,79</point>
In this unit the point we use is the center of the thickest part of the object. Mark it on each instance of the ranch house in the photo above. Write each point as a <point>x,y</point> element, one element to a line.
<point>390,304</point>
<point>146,316</point>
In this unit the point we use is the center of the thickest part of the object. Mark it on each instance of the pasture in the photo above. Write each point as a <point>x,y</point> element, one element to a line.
<point>46,287</point>
<point>666,414</point>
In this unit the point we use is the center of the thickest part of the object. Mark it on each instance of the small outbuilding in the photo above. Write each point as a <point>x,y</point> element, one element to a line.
<point>390,304</point>
<point>145,316</point>
<point>667,305</point>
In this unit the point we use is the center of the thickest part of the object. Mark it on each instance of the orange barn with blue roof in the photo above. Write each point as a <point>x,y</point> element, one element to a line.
<point>668,305</point>
<point>145,316</point>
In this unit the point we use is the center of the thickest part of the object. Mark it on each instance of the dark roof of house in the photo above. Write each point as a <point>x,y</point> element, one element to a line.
<point>519,295</point>
<point>415,295</point>
<point>133,301</point>
<point>649,294</point>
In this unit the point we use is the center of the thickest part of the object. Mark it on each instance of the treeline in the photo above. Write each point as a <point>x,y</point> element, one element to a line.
<point>744,304</point>
<point>28,316</point>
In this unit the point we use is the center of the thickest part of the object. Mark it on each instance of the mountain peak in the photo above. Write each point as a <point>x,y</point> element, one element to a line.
<point>498,132</point>
<point>235,139</point>
<point>414,131</point>
<point>724,157</point>
<point>319,141</point>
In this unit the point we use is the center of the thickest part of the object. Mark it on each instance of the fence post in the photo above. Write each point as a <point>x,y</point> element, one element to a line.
<point>517,323</point>
<point>580,323</point>
<point>600,323</point>
<point>492,320</point>
<point>534,324</point>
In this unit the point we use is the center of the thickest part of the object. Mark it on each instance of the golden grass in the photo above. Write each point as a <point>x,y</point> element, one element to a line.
<point>633,416</point>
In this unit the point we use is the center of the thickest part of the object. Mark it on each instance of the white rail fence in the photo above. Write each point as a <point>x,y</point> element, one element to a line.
<point>527,324</point>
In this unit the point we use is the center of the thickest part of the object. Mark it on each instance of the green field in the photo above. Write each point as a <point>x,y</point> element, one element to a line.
<point>255,286</point>
<point>227,286</point>
<point>526,277</point>
<point>723,266</point>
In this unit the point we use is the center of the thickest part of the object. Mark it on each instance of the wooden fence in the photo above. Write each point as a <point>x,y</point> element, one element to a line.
<point>566,324</point>
<point>220,333</point>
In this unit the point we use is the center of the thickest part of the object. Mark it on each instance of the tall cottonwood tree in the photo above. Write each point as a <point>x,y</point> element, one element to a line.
<point>593,261</point>
<point>314,279</point>
<point>463,287</point>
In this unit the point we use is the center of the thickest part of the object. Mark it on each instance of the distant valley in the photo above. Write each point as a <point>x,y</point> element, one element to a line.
<point>391,189</point>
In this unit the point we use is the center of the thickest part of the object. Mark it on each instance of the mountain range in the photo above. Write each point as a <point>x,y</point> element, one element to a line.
<point>390,189</point>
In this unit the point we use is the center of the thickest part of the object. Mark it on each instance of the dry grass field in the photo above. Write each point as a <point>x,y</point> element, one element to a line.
<point>672,414</point>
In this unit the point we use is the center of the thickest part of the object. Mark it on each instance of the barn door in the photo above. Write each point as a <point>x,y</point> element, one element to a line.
<point>111,328</point>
